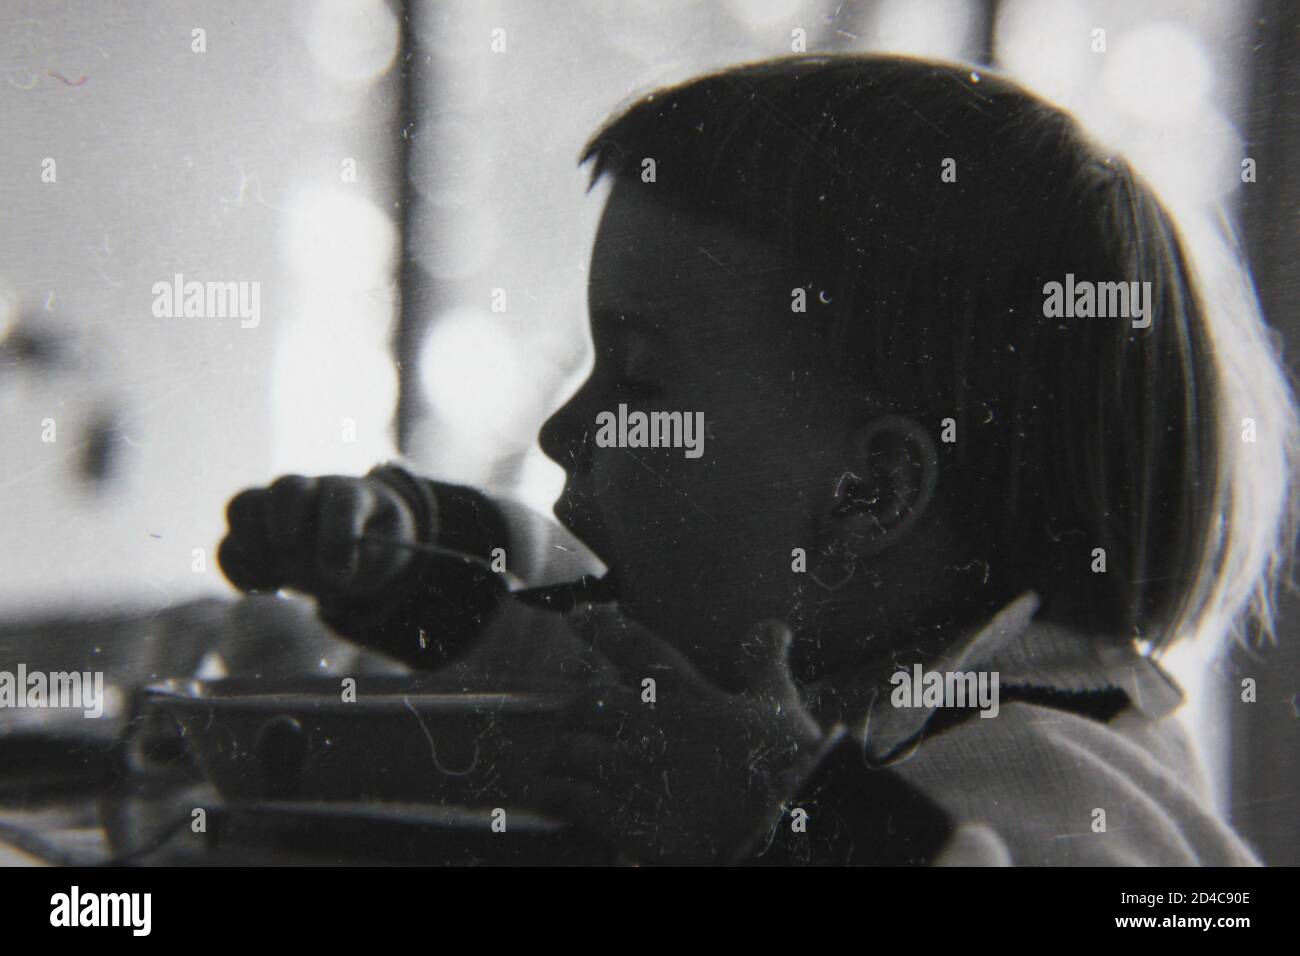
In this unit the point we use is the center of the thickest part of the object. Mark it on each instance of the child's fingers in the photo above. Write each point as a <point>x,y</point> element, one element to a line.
<point>974,844</point>
<point>635,651</point>
<point>246,514</point>
<point>245,554</point>
<point>766,659</point>
<point>246,568</point>
<point>291,519</point>
<point>389,516</point>
<point>344,506</point>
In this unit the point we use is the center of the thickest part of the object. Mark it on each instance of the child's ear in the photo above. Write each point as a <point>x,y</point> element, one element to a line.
<point>889,481</point>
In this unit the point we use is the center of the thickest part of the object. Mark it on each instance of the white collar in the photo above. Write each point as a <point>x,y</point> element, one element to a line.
<point>1027,655</point>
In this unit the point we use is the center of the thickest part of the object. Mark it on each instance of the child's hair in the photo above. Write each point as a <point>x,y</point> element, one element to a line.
<point>1071,433</point>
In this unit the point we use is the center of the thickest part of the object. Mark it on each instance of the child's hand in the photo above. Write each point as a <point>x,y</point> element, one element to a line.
<point>693,776</point>
<point>303,533</point>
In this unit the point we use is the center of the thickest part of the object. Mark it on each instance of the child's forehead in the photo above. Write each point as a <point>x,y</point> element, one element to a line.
<point>650,250</point>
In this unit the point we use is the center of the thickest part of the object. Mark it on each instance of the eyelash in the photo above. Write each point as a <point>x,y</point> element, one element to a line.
<point>630,384</point>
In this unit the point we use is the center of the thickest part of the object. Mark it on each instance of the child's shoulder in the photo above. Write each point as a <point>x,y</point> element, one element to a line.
<point>1080,761</point>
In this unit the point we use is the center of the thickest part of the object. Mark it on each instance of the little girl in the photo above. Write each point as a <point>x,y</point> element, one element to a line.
<point>924,481</point>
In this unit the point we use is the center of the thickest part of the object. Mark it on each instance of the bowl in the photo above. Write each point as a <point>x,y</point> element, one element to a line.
<point>395,739</point>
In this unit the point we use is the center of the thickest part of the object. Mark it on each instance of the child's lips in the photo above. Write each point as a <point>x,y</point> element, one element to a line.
<point>567,506</point>
<point>575,509</point>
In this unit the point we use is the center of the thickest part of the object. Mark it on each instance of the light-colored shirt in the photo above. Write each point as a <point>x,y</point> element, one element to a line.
<point>1084,763</point>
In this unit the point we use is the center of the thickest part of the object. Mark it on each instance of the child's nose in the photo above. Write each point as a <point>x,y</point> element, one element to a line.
<point>563,436</point>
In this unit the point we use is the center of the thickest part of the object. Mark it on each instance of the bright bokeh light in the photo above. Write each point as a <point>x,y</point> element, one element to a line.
<point>474,375</point>
<point>333,364</point>
<point>1046,46</point>
<point>466,251</point>
<point>764,14</point>
<point>1149,94</point>
<point>666,34</point>
<point>334,387</point>
<point>1159,73</point>
<point>1192,163</point>
<point>338,238</point>
<point>461,174</point>
<point>935,28</point>
<point>352,41</point>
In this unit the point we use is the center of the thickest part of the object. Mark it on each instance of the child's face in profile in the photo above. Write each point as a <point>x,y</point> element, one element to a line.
<point>688,315</point>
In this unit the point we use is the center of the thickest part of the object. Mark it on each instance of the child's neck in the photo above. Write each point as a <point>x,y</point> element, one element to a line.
<point>840,685</point>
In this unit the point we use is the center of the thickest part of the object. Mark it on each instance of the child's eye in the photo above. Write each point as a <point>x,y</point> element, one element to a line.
<point>638,368</point>
<point>637,387</point>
